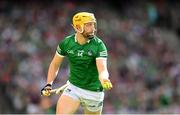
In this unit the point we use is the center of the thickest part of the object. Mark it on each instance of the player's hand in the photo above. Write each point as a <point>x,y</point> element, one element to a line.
<point>106,84</point>
<point>46,90</point>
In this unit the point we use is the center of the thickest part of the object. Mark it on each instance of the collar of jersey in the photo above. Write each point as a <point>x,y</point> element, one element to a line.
<point>76,39</point>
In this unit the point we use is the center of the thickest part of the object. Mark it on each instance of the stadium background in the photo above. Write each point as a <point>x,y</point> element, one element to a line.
<point>143,42</point>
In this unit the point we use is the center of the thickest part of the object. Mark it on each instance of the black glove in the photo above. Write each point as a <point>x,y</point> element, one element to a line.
<point>45,91</point>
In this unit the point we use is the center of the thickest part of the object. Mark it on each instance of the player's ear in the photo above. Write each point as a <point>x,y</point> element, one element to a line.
<point>78,27</point>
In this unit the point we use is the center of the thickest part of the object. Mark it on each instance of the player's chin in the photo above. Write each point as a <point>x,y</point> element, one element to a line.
<point>89,36</point>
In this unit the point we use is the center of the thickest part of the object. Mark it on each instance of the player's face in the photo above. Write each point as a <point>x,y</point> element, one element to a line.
<point>89,30</point>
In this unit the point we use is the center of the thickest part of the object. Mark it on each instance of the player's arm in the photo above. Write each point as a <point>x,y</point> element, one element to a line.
<point>54,68</point>
<point>52,73</point>
<point>103,73</point>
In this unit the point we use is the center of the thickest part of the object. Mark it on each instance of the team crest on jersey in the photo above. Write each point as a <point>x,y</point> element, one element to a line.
<point>90,53</point>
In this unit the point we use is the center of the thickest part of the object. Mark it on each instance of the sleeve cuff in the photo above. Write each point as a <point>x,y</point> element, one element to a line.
<point>101,58</point>
<point>59,54</point>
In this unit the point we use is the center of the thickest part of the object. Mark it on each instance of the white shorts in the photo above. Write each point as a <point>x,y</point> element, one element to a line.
<point>93,101</point>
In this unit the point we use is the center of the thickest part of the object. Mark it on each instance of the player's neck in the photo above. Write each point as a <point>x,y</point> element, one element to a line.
<point>81,39</point>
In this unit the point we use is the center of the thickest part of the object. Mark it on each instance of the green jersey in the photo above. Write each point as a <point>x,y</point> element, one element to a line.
<point>82,60</point>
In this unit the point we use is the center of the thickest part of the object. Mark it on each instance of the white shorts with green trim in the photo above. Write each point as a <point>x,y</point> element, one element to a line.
<point>92,101</point>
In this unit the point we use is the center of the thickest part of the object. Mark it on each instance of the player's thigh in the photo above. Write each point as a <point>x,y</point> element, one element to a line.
<point>67,105</point>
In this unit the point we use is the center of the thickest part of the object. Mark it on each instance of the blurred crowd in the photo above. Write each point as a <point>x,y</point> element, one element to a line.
<point>143,41</point>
